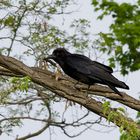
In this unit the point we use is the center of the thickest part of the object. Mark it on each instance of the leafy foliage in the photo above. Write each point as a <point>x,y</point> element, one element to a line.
<point>123,39</point>
<point>21,84</point>
<point>122,42</point>
<point>132,132</point>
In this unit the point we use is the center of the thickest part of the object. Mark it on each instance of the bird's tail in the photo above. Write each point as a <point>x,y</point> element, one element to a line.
<point>123,85</point>
<point>117,83</point>
<point>114,89</point>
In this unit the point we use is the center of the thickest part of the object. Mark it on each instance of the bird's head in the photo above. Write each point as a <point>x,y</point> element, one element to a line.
<point>59,54</point>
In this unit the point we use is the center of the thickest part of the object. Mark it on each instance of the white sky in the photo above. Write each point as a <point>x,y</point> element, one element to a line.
<point>133,79</point>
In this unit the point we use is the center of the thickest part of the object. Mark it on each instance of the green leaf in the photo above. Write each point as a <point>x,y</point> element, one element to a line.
<point>9,21</point>
<point>21,84</point>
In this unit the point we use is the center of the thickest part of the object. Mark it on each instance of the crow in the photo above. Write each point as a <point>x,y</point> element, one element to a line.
<point>84,70</point>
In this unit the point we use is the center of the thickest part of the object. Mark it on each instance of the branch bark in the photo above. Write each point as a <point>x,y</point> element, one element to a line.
<point>65,88</point>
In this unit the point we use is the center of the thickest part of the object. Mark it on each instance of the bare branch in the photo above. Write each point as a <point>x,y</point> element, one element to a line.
<point>35,133</point>
<point>16,29</point>
<point>87,125</point>
<point>27,118</point>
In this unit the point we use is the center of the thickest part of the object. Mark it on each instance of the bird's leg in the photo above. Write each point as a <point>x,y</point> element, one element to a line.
<point>88,87</point>
<point>58,74</point>
<point>87,90</point>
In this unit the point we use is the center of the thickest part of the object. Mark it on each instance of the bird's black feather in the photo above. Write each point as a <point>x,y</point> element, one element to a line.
<point>85,70</point>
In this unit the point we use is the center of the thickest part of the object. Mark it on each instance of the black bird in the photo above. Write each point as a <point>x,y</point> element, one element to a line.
<point>83,69</point>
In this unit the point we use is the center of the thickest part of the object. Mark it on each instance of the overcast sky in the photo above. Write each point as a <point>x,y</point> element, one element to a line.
<point>85,10</point>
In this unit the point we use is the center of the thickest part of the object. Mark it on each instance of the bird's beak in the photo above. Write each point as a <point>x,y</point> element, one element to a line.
<point>51,57</point>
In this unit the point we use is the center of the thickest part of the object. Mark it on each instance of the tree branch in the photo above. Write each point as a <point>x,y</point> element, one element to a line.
<point>65,81</point>
<point>35,133</point>
<point>65,89</point>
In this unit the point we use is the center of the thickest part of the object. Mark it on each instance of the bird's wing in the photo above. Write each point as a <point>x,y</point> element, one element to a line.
<point>79,63</point>
<point>95,63</point>
<point>92,70</point>
<point>79,60</point>
<point>102,66</point>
